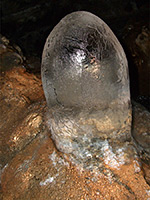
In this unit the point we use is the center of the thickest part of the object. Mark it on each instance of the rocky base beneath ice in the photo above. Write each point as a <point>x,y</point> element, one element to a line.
<point>86,148</point>
<point>96,155</point>
<point>86,85</point>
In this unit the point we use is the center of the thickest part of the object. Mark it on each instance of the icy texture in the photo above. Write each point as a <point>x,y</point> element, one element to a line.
<point>85,81</point>
<point>57,160</point>
<point>92,153</point>
<point>72,129</point>
<point>84,65</point>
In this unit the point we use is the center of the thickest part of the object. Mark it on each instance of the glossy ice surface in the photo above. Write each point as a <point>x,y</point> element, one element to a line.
<point>86,84</point>
<point>84,65</point>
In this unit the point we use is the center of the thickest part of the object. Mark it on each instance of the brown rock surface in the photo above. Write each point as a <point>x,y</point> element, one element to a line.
<point>32,167</point>
<point>41,172</point>
<point>18,90</point>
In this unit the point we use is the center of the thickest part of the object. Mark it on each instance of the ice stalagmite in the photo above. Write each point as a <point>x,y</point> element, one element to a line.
<point>86,85</point>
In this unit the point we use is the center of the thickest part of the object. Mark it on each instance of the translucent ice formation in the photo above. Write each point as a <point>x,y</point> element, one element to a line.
<point>86,84</point>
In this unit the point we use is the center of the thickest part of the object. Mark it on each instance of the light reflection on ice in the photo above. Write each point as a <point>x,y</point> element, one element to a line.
<point>57,160</point>
<point>80,56</point>
<point>110,158</point>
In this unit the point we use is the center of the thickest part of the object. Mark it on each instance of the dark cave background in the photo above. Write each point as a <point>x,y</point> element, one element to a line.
<point>27,23</point>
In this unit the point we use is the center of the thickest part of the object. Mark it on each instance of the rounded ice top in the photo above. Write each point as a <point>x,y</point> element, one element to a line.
<point>86,84</point>
<point>83,64</point>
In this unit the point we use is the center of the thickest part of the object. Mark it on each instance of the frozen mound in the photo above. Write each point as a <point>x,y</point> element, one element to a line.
<point>86,85</point>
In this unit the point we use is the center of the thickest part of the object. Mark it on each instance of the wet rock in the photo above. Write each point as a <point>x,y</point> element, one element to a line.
<point>24,135</point>
<point>15,99</point>
<point>10,56</point>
